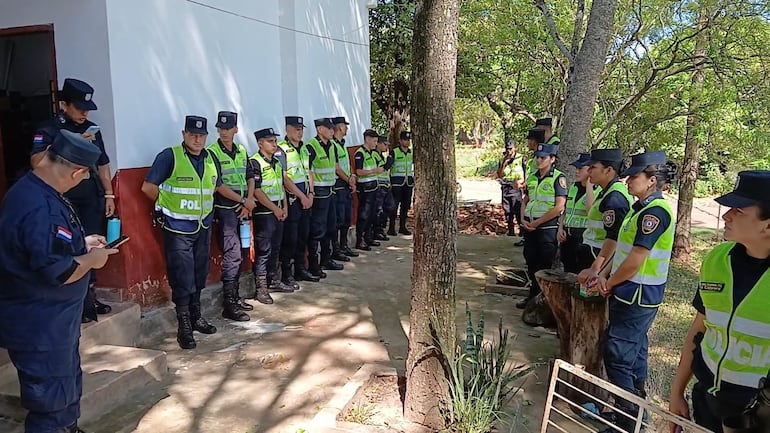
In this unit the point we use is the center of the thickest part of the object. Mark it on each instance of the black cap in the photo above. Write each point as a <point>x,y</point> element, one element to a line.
<point>405,135</point>
<point>510,144</point>
<point>382,139</point>
<point>545,121</point>
<point>195,124</point>
<point>536,134</point>
<point>640,161</point>
<point>583,160</point>
<point>324,121</point>
<point>295,121</point>
<point>75,149</point>
<point>606,155</point>
<point>546,150</point>
<point>751,188</point>
<point>265,133</point>
<point>227,120</point>
<point>371,133</point>
<point>78,93</point>
<point>339,120</point>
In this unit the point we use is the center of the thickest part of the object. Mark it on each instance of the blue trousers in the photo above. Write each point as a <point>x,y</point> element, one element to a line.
<point>51,384</point>
<point>268,232</point>
<point>344,202</point>
<point>187,264</point>
<point>366,209</point>
<point>323,225</point>
<point>296,230</point>
<point>384,206</point>
<point>229,239</point>
<point>625,354</point>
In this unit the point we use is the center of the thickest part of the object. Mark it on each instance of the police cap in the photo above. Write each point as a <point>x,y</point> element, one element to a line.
<point>295,121</point>
<point>510,144</point>
<point>583,160</point>
<point>339,120</point>
<point>196,125</point>
<point>642,160</point>
<point>324,121</point>
<point>227,120</point>
<point>751,188</point>
<point>536,134</point>
<point>405,135</point>
<point>546,150</point>
<point>606,155</point>
<point>545,121</point>
<point>265,133</point>
<point>382,139</point>
<point>75,149</point>
<point>79,93</point>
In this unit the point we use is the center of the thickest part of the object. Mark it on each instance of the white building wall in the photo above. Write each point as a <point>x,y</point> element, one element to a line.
<point>80,37</point>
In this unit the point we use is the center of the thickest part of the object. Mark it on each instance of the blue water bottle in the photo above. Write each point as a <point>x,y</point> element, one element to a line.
<point>113,229</point>
<point>245,231</point>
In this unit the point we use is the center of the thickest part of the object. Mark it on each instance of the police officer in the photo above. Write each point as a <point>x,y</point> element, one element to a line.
<point>573,221</point>
<point>182,182</point>
<point>322,164</point>
<point>383,202</point>
<point>605,217</point>
<point>402,180</point>
<point>511,175</point>
<point>727,348</point>
<point>232,158</point>
<point>534,137</point>
<point>542,205</point>
<point>45,258</point>
<point>93,198</point>
<point>546,125</point>
<point>367,172</point>
<point>296,227</point>
<point>344,188</point>
<point>638,279</point>
<point>265,171</point>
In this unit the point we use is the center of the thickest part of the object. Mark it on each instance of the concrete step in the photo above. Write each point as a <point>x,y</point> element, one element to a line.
<point>112,377</point>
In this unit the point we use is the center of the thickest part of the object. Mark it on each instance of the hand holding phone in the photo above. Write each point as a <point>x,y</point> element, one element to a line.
<point>117,242</point>
<point>92,130</point>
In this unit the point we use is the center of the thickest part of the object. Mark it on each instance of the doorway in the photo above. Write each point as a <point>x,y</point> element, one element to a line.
<point>28,86</point>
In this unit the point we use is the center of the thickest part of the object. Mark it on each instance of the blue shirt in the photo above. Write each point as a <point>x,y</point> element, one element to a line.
<point>40,235</point>
<point>616,204</point>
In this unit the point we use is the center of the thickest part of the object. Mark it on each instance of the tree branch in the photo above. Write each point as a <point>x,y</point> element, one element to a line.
<point>578,30</point>
<point>540,4</point>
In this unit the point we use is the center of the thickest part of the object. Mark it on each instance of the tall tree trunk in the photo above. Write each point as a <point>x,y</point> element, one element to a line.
<point>583,85</point>
<point>435,234</point>
<point>689,170</point>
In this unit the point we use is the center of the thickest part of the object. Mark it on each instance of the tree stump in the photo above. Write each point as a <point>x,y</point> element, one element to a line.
<point>557,287</point>
<point>589,322</point>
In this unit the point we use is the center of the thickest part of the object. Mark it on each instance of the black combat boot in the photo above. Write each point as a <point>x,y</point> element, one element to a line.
<point>277,286</point>
<point>369,239</point>
<point>344,244</point>
<point>392,225</point>
<point>230,309</point>
<point>330,265</point>
<point>262,295</point>
<point>402,228</point>
<point>361,243</point>
<point>199,323</point>
<point>301,274</point>
<point>337,253</point>
<point>287,277</point>
<point>74,429</point>
<point>184,333</point>
<point>243,305</point>
<point>315,268</point>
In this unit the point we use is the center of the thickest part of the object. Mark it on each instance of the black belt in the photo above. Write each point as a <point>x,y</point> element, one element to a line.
<point>574,231</point>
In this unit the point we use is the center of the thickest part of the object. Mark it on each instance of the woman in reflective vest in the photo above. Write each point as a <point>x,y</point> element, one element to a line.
<point>511,175</point>
<point>544,202</point>
<point>573,221</point>
<point>727,348</point>
<point>638,278</point>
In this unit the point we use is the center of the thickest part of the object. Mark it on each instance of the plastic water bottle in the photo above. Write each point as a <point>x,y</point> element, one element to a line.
<point>245,231</point>
<point>113,229</point>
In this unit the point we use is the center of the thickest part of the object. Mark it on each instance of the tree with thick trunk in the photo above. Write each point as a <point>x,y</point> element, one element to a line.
<point>435,234</point>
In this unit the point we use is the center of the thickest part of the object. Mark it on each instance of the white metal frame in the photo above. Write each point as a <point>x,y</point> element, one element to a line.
<point>561,365</point>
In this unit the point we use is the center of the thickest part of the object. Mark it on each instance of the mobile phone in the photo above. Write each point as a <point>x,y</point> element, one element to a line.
<point>117,242</point>
<point>93,129</point>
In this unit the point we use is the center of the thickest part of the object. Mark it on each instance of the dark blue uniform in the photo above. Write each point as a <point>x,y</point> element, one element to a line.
<point>367,192</point>
<point>40,234</point>
<point>323,216</point>
<point>296,227</point>
<point>384,204</point>
<point>268,230</point>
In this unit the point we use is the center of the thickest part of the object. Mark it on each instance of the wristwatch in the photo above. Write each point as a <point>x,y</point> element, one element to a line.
<point>243,200</point>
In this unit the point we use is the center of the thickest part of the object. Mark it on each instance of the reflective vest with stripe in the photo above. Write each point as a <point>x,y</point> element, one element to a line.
<point>595,233</point>
<point>402,171</point>
<point>542,195</point>
<point>233,169</point>
<point>369,164</point>
<point>736,344</point>
<point>272,179</point>
<point>576,213</point>
<point>654,269</point>
<point>514,170</point>
<point>186,198</point>
<point>531,168</point>
<point>324,165</point>
<point>342,156</point>
<point>384,177</point>
<point>296,162</point>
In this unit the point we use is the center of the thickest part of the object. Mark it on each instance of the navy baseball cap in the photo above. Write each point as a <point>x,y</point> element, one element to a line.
<point>751,188</point>
<point>640,161</point>
<point>583,160</point>
<point>546,150</point>
<point>265,133</point>
<point>339,120</point>
<point>196,124</point>
<point>79,93</point>
<point>227,120</point>
<point>510,144</point>
<point>295,121</point>
<point>606,155</point>
<point>405,135</point>
<point>536,134</point>
<point>382,139</point>
<point>75,149</point>
<point>545,121</point>
<point>324,121</point>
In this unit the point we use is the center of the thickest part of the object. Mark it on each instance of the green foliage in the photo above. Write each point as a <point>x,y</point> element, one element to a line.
<point>714,182</point>
<point>360,413</point>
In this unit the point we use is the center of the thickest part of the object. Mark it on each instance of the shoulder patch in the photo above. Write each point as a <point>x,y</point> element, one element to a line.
<point>38,138</point>
<point>649,224</point>
<point>562,182</point>
<point>608,217</point>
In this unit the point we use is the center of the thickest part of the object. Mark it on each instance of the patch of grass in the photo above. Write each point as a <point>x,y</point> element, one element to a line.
<point>675,317</point>
<point>473,162</point>
<point>360,413</point>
